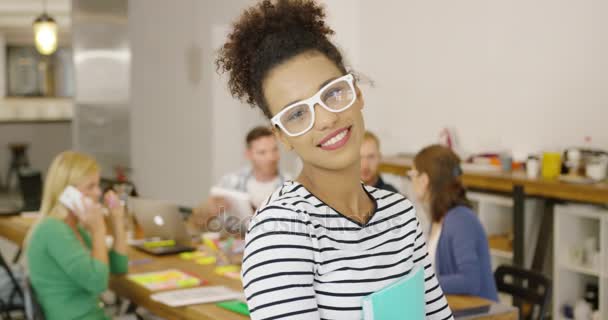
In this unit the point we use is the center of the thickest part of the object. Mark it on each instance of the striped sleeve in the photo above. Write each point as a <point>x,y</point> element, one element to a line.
<point>278,266</point>
<point>436,304</point>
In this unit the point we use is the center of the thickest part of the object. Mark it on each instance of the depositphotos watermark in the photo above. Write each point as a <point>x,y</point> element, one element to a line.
<point>301,222</point>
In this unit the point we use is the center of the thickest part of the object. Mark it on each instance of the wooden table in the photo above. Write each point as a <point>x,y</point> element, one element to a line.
<point>141,296</point>
<point>496,311</point>
<point>15,229</point>
<point>519,186</point>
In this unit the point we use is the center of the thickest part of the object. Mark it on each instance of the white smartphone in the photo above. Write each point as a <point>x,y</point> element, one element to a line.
<point>72,199</point>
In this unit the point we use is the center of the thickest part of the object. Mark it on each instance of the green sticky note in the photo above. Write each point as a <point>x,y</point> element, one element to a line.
<point>235,306</point>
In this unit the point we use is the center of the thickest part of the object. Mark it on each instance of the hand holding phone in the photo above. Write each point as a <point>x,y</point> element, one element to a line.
<point>92,218</point>
<point>88,212</point>
<point>72,199</point>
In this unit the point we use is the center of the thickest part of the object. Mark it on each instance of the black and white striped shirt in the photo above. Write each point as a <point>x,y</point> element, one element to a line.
<point>304,260</point>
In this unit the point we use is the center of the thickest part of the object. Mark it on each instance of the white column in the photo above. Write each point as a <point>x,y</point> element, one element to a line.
<point>3,79</point>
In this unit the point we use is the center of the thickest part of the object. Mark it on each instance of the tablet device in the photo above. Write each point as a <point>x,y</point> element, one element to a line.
<point>239,202</point>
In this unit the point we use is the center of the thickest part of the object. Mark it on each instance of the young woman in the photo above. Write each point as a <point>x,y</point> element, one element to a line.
<point>457,242</point>
<point>320,243</point>
<point>68,260</point>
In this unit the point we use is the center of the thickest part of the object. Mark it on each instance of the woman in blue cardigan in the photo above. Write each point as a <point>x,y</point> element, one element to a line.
<point>457,241</point>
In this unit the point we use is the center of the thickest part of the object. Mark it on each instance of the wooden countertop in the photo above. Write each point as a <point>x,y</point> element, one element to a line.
<point>596,193</point>
<point>35,121</point>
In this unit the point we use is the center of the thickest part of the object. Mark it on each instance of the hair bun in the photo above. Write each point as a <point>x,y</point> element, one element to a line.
<point>267,34</point>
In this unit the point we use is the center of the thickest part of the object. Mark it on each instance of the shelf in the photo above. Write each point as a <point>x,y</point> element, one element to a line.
<point>580,269</point>
<point>498,200</point>
<point>582,211</point>
<point>501,254</point>
<point>501,246</point>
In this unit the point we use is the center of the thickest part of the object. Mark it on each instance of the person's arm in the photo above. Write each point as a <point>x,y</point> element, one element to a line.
<point>88,270</point>
<point>436,304</point>
<point>201,215</point>
<point>212,206</point>
<point>99,250</point>
<point>462,240</point>
<point>119,262</point>
<point>278,268</point>
<point>92,219</point>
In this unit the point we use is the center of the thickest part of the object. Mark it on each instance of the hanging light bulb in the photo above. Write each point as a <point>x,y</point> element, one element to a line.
<point>45,33</point>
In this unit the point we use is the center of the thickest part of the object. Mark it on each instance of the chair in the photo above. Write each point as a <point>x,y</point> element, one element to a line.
<point>16,297</point>
<point>526,286</point>
<point>19,159</point>
<point>30,184</point>
<point>33,310</point>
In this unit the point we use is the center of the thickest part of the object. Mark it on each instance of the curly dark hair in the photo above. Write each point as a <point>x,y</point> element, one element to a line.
<point>267,35</point>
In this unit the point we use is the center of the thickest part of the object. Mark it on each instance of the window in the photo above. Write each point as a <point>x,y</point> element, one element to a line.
<point>30,74</point>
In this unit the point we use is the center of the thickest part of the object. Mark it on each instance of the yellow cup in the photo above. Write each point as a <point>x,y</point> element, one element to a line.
<point>552,165</point>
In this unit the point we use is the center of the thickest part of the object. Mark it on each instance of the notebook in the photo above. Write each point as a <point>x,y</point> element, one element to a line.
<point>403,299</point>
<point>165,280</point>
<point>184,297</point>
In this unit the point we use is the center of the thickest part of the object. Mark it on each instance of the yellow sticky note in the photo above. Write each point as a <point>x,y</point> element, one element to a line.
<point>192,255</point>
<point>225,269</point>
<point>209,243</point>
<point>206,260</point>
<point>160,243</point>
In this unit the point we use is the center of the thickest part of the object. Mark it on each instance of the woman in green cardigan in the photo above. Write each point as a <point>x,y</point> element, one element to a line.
<point>68,260</point>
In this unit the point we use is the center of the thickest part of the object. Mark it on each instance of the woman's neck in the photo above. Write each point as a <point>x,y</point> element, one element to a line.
<point>340,189</point>
<point>71,221</point>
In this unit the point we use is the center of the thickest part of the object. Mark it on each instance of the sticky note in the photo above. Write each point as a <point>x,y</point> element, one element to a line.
<point>225,269</point>
<point>206,260</point>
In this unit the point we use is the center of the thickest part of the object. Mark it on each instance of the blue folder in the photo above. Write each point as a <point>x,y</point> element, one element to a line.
<point>403,299</point>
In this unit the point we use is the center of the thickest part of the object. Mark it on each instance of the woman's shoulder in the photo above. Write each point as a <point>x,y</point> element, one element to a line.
<point>47,229</point>
<point>289,199</point>
<point>51,225</point>
<point>390,202</point>
<point>379,193</point>
<point>462,216</point>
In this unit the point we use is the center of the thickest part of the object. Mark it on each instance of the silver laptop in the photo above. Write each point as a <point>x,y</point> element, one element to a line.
<point>160,219</point>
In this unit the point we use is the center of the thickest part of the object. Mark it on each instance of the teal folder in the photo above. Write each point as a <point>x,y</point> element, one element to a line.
<point>403,299</point>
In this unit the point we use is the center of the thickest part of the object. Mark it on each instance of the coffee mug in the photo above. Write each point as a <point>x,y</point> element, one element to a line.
<point>552,165</point>
<point>532,168</point>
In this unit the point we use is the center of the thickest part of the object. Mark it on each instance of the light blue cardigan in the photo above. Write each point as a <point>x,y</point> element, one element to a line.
<point>462,259</point>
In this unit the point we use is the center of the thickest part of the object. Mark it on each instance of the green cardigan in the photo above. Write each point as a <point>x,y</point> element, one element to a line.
<point>66,278</point>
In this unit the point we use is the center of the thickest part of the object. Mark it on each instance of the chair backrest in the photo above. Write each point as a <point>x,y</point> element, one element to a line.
<point>527,286</point>
<point>33,309</point>
<point>30,184</point>
<point>16,292</point>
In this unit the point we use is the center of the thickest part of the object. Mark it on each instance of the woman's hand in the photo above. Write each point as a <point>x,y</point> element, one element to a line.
<point>211,208</point>
<point>115,206</point>
<point>117,216</point>
<point>91,217</point>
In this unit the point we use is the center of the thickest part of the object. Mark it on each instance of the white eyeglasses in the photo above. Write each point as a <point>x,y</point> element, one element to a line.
<point>299,117</point>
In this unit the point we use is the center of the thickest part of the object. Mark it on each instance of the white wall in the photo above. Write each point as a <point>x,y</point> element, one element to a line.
<point>187,130</point>
<point>506,75</point>
<point>2,66</point>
